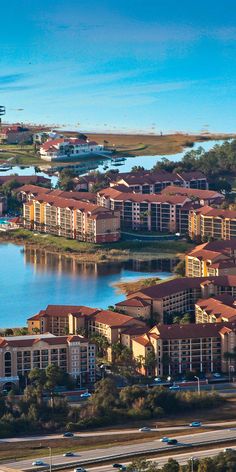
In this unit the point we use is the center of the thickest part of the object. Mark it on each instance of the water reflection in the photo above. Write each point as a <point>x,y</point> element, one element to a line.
<point>43,261</point>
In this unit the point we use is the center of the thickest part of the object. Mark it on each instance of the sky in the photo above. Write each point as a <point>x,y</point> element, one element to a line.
<point>120,65</point>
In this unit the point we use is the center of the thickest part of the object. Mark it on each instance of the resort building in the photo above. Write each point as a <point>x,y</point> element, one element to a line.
<point>203,197</point>
<point>212,259</point>
<point>69,149</point>
<point>215,309</point>
<point>147,182</point>
<point>73,219</point>
<point>63,319</point>
<point>208,222</point>
<point>179,295</point>
<point>30,192</point>
<point>161,213</point>
<point>186,348</point>
<point>20,354</point>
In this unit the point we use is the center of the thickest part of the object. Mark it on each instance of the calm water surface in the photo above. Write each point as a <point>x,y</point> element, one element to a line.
<point>32,279</point>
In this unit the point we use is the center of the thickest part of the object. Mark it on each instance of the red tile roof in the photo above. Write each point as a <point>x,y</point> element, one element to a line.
<point>133,302</point>
<point>189,331</point>
<point>115,320</point>
<point>190,192</point>
<point>114,194</point>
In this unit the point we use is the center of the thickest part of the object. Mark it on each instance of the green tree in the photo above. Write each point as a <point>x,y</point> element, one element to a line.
<point>171,466</point>
<point>142,465</point>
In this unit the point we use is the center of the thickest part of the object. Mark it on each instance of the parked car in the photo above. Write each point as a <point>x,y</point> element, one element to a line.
<point>172,441</point>
<point>38,463</point>
<point>68,454</point>
<point>145,429</point>
<point>164,439</point>
<point>85,395</point>
<point>68,434</point>
<point>195,424</point>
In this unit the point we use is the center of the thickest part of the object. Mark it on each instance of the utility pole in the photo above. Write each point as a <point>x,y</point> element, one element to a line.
<point>2,112</point>
<point>50,458</point>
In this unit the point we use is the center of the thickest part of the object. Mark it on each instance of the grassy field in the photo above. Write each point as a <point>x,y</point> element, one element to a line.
<point>128,287</point>
<point>89,252</point>
<point>150,144</point>
<point>128,144</point>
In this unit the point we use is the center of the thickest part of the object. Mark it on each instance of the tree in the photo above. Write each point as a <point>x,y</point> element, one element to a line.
<point>65,181</point>
<point>180,268</point>
<point>171,466</point>
<point>101,342</point>
<point>150,362</point>
<point>142,465</point>
<point>138,169</point>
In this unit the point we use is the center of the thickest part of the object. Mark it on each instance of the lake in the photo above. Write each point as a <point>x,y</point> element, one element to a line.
<point>92,164</point>
<point>31,279</point>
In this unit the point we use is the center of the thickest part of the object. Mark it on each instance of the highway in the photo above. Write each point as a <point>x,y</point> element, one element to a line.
<point>114,432</point>
<point>117,453</point>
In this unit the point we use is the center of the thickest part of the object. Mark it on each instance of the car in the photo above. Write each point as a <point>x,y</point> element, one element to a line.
<point>85,395</point>
<point>174,388</point>
<point>117,466</point>
<point>68,434</point>
<point>79,469</point>
<point>68,454</point>
<point>157,379</point>
<point>172,441</point>
<point>228,449</point>
<point>123,468</point>
<point>38,463</point>
<point>195,424</point>
<point>145,429</point>
<point>164,439</point>
<point>217,375</point>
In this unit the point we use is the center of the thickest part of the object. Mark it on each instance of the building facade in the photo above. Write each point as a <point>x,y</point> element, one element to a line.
<point>208,222</point>
<point>69,149</point>
<point>20,354</point>
<point>212,259</point>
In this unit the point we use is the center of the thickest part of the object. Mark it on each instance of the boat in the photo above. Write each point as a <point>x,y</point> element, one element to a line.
<point>4,169</point>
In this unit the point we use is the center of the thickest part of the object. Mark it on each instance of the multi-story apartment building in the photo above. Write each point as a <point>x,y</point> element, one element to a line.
<point>70,218</point>
<point>182,348</point>
<point>203,197</point>
<point>212,259</point>
<point>159,213</point>
<point>69,148</point>
<point>208,222</point>
<point>147,181</point>
<point>63,319</point>
<point>20,354</point>
<point>31,192</point>
<point>180,295</point>
<point>215,309</point>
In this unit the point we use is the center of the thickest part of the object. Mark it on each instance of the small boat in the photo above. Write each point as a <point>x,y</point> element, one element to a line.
<point>4,168</point>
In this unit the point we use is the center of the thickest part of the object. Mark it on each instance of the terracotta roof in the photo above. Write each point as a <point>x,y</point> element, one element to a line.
<point>189,331</point>
<point>28,341</point>
<point>169,287</point>
<point>114,194</point>
<point>55,143</point>
<point>195,175</point>
<point>114,319</point>
<point>207,211</point>
<point>134,302</point>
<point>190,192</point>
<point>221,306</point>
<point>143,340</point>
<point>135,330</point>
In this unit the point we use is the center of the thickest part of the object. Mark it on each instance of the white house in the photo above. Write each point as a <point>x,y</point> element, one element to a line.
<point>69,149</point>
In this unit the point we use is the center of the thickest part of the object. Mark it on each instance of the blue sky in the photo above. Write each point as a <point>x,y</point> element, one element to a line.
<point>120,65</point>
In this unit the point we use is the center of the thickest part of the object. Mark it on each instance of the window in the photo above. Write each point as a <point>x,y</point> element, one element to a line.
<point>7,364</point>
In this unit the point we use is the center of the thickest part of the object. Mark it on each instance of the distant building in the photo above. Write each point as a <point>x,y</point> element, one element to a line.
<point>212,259</point>
<point>20,354</point>
<point>204,197</point>
<point>216,223</point>
<point>15,134</point>
<point>25,179</point>
<point>216,309</point>
<point>69,149</point>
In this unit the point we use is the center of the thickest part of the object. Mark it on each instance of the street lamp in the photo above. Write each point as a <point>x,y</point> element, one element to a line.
<point>192,459</point>
<point>50,458</point>
<point>198,384</point>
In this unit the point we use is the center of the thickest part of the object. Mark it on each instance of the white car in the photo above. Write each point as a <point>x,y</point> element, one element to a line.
<point>79,469</point>
<point>38,463</point>
<point>85,395</point>
<point>145,428</point>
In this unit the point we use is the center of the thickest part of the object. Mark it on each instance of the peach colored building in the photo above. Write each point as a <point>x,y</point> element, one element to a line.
<point>212,259</point>
<point>20,354</point>
<point>216,223</point>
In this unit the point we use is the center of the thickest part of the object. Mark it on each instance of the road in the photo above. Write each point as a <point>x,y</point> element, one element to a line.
<point>114,432</point>
<point>181,458</point>
<point>116,453</point>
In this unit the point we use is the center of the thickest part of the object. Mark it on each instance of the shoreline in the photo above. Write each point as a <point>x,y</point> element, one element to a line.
<point>93,253</point>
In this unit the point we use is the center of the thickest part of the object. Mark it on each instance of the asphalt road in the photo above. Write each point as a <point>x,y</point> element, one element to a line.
<point>114,451</point>
<point>181,458</point>
<point>114,432</point>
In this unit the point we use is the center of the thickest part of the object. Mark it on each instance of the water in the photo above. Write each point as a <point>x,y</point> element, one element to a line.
<point>83,166</point>
<point>32,279</point>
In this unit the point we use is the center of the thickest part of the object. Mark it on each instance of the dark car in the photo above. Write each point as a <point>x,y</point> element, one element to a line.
<point>68,434</point>
<point>117,466</point>
<point>172,441</point>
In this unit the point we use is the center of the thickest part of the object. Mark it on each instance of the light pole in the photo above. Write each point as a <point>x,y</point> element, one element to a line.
<point>198,384</point>
<point>192,459</point>
<point>50,458</point>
